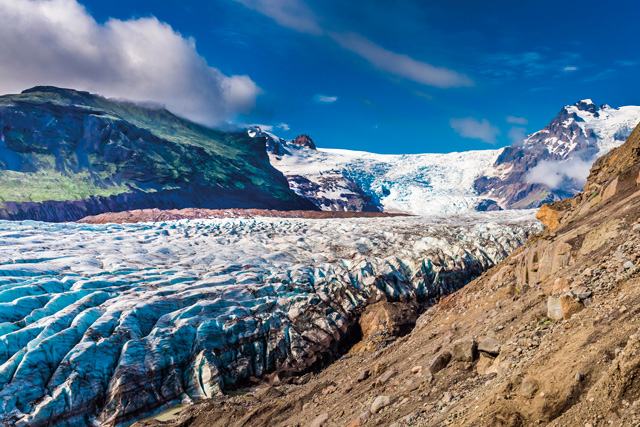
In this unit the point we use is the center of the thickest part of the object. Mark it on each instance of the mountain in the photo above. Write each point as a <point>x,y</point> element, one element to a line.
<point>65,154</point>
<point>548,165</point>
<point>550,336</point>
<point>356,180</point>
<point>552,163</point>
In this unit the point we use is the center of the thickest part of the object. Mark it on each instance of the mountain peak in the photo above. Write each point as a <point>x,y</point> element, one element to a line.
<point>586,105</point>
<point>304,141</point>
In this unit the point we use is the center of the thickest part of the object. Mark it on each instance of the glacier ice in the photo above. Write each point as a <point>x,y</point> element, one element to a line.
<point>105,324</point>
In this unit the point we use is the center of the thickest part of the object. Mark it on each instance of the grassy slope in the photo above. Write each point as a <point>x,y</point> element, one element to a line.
<point>233,161</point>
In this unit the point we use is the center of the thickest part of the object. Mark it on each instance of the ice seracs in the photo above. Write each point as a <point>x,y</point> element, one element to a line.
<point>105,324</point>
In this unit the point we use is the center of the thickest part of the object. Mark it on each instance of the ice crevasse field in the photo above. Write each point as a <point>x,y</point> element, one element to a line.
<point>106,324</point>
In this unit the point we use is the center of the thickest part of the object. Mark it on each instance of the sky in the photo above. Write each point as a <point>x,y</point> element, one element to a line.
<point>380,76</point>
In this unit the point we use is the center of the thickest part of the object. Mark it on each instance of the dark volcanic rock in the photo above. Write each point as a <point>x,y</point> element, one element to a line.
<point>304,141</point>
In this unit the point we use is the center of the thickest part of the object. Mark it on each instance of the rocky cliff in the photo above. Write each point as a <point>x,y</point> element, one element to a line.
<point>66,154</point>
<point>550,336</point>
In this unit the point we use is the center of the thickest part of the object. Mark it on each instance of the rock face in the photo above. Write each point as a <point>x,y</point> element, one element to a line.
<point>66,154</point>
<point>109,323</point>
<point>304,141</point>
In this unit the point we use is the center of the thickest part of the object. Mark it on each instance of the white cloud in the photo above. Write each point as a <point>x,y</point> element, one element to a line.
<point>476,129</point>
<point>569,69</point>
<point>399,64</point>
<point>283,126</point>
<point>57,42</point>
<point>292,14</point>
<point>324,99</point>
<point>264,128</point>
<point>517,120</point>
<point>516,135</point>
<point>556,173</point>
<point>296,15</point>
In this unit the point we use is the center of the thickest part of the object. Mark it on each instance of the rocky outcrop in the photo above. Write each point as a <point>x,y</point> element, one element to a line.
<point>304,141</point>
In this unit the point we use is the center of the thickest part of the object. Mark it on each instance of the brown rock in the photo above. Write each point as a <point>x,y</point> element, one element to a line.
<point>570,306</point>
<point>485,365</point>
<point>363,375</point>
<point>554,308</point>
<point>304,141</point>
<point>439,362</point>
<point>549,216</point>
<point>319,420</point>
<point>560,286</point>
<point>393,318</point>
<point>464,350</point>
<point>528,388</point>
<point>489,345</point>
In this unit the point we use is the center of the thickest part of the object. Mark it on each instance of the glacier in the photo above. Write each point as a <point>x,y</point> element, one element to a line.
<point>107,324</point>
<point>452,183</point>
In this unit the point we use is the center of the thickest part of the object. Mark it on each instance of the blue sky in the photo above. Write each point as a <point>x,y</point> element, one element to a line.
<point>407,77</point>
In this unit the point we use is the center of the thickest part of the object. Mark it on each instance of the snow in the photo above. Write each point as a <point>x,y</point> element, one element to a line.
<point>438,184</point>
<point>104,324</point>
<point>611,126</point>
<point>421,184</point>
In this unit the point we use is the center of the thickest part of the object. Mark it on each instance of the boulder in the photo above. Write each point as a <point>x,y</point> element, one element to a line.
<point>486,365</point>
<point>319,420</point>
<point>560,286</point>
<point>554,308</point>
<point>439,362</point>
<point>489,345</point>
<point>570,306</point>
<point>392,318</point>
<point>549,216</point>
<point>464,350</point>
<point>379,403</point>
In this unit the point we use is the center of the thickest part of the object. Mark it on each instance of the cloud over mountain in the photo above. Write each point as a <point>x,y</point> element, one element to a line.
<point>475,129</point>
<point>57,42</point>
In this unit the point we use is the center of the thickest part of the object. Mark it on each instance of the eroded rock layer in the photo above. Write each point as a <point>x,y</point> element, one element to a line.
<point>108,323</point>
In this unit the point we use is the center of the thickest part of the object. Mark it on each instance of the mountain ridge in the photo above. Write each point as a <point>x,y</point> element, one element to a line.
<point>65,154</point>
<point>548,165</point>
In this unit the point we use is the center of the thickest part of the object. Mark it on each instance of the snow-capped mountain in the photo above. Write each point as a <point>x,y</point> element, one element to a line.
<point>357,180</point>
<point>553,163</point>
<point>548,165</point>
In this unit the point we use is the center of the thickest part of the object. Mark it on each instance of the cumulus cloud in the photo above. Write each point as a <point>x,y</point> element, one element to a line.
<point>324,99</point>
<point>516,135</point>
<point>57,42</point>
<point>296,15</point>
<point>559,174</point>
<point>517,120</point>
<point>475,129</point>
<point>283,126</point>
